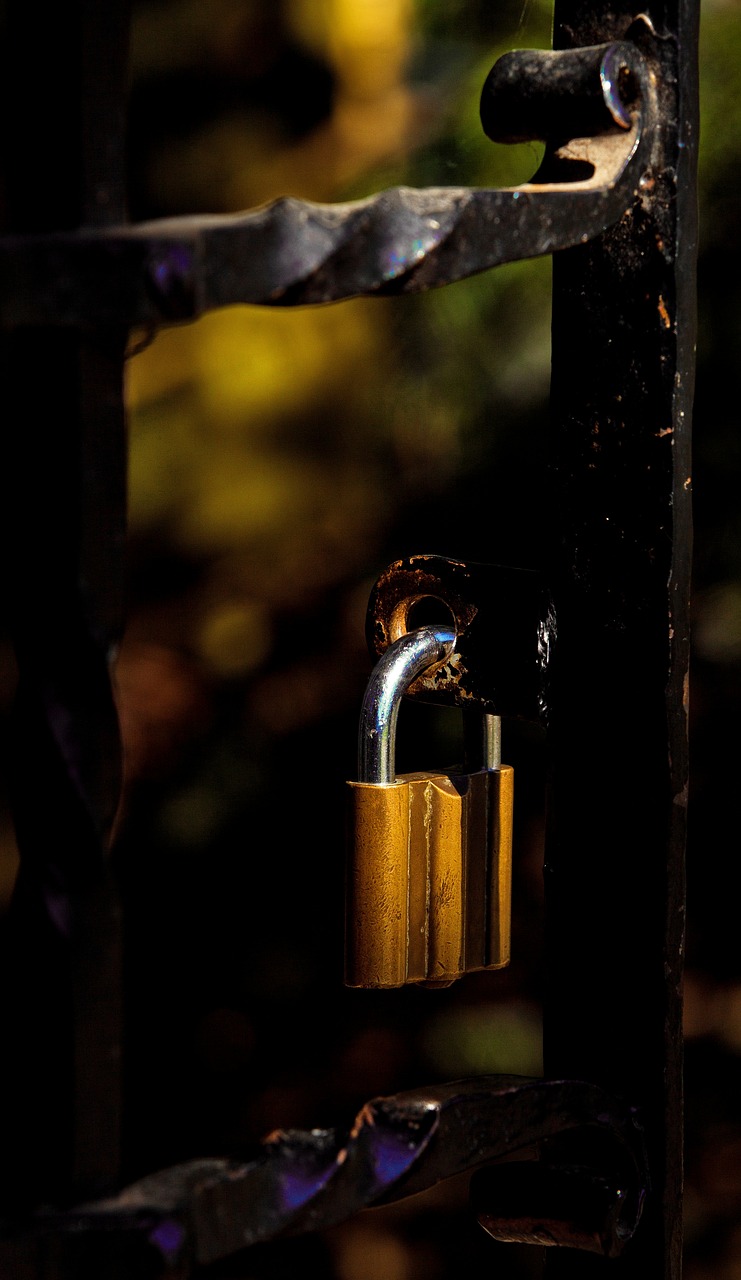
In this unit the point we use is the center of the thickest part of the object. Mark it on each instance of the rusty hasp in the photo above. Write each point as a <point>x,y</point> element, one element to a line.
<point>595,111</point>
<point>504,623</point>
<point>299,1181</point>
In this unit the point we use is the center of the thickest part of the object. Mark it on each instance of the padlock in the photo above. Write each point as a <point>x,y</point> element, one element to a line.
<point>429,870</point>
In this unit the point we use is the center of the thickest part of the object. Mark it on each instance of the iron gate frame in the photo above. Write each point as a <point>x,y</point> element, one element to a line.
<point>622,384</point>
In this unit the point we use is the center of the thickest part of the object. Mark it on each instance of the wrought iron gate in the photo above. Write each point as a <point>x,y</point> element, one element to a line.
<point>614,203</point>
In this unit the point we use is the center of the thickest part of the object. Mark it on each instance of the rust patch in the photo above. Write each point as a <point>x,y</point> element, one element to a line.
<point>449,677</point>
<point>406,583</point>
<point>664,314</point>
<point>364,1118</point>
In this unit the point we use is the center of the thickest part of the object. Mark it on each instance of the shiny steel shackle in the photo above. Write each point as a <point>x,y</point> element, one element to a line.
<point>397,668</point>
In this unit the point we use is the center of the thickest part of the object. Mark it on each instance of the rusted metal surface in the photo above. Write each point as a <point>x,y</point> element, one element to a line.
<point>505,631</point>
<point>400,241</point>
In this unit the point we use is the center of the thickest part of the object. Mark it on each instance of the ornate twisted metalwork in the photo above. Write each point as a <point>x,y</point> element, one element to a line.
<point>403,240</point>
<point>303,1181</point>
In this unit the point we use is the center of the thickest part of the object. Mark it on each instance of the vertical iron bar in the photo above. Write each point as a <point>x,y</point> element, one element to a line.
<point>63,88</point>
<point>622,384</point>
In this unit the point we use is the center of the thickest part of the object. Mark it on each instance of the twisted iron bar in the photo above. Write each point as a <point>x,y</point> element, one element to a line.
<point>300,1181</point>
<point>295,252</point>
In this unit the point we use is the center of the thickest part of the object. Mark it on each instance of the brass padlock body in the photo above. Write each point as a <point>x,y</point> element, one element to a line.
<point>429,877</point>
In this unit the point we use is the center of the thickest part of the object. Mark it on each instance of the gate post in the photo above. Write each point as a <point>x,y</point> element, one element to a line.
<point>622,386</point>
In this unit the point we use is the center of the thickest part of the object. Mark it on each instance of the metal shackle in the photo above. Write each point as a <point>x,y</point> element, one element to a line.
<point>395,671</point>
<point>392,675</point>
